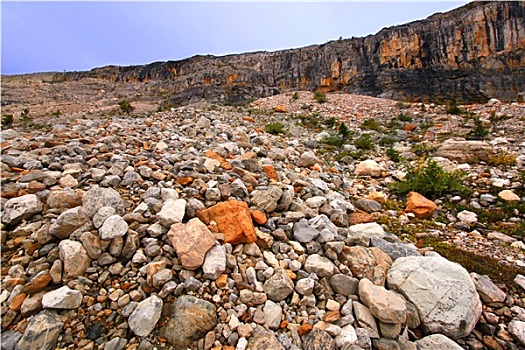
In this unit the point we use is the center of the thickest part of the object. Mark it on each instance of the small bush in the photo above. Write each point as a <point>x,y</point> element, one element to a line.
<point>343,131</point>
<point>370,124</point>
<point>393,155</point>
<point>479,132</point>
<point>430,181</point>
<point>404,118</point>
<point>330,122</point>
<point>401,105</point>
<point>320,97</point>
<point>311,121</point>
<point>7,120</point>
<point>452,107</point>
<point>387,141</point>
<point>364,142</point>
<point>125,107</point>
<point>334,141</point>
<point>295,96</point>
<point>274,128</point>
<point>56,113</point>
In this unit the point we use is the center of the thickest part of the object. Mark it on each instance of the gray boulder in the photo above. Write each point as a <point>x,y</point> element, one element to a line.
<point>21,208</point>
<point>98,197</point>
<point>42,332</point>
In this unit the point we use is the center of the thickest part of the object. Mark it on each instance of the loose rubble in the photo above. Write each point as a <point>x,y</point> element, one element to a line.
<point>193,228</point>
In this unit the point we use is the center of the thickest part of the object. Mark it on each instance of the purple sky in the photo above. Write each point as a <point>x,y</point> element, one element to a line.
<point>74,36</point>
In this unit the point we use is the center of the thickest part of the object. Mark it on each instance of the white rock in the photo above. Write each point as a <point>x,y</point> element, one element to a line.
<point>172,212</point>
<point>509,196</point>
<point>368,167</point>
<point>367,230</point>
<point>319,265</point>
<point>113,227</point>
<point>346,338</point>
<point>305,286</point>
<point>145,316</point>
<point>517,329</point>
<point>21,208</point>
<point>272,314</point>
<point>214,262</point>
<point>62,298</point>
<point>467,217</point>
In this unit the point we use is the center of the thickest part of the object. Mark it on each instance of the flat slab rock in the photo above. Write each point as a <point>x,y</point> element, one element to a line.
<point>442,292</point>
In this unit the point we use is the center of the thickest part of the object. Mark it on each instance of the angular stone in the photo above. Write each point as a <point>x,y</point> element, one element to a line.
<point>233,220</point>
<point>509,196</point>
<point>307,159</point>
<point>42,332</point>
<point>346,338</point>
<point>172,212</point>
<point>113,227</point>
<point>263,340</point>
<point>68,222</point>
<point>385,305</point>
<point>368,167</point>
<point>368,205</point>
<point>367,230</point>
<point>191,242</point>
<point>278,286</point>
<point>442,292</point>
<point>365,319</point>
<point>266,200</point>
<point>343,284</point>
<point>437,341</point>
<point>467,217</point>
<point>10,339</point>
<point>98,197</point>
<point>190,319</point>
<point>303,232</point>
<point>395,250</point>
<point>37,283</point>
<point>62,298</point>
<point>21,208</point>
<point>144,318</point>
<point>272,314</point>
<point>517,330</point>
<point>487,290</point>
<point>420,206</point>
<point>371,263</point>
<point>74,257</point>
<point>318,339</point>
<point>214,263</point>
<point>320,265</point>
<point>305,286</point>
<point>66,198</point>
<point>91,244</point>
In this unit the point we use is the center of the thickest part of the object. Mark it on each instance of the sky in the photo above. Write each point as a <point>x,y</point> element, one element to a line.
<point>76,36</point>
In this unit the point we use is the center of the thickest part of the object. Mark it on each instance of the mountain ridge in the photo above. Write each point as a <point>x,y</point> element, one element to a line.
<point>473,53</point>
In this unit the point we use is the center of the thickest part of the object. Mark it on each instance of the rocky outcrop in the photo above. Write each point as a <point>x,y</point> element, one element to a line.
<point>474,53</point>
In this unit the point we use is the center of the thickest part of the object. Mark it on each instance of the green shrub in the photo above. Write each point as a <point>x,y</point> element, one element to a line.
<point>295,96</point>
<point>311,121</point>
<point>479,132</point>
<point>320,97</point>
<point>274,128</point>
<point>501,159</point>
<point>343,131</point>
<point>364,142</point>
<point>452,107</point>
<point>404,118</point>
<point>56,113</point>
<point>401,105</point>
<point>330,122</point>
<point>370,124</point>
<point>393,155</point>
<point>334,141</point>
<point>7,120</point>
<point>430,181</point>
<point>125,107</point>
<point>387,141</point>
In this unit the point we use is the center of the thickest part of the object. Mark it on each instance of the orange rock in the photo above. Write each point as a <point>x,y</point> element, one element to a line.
<point>224,163</point>
<point>10,283</point>
<point>283,324</point>
<point>360,218</point>
<point>333,170</point>
<point>379,197</point>
<point>419,205</point>
<point>259,217</point>
<point>37,284</point>
<point>331,316</point>
<point>16,302</point>
<point>248,119</point>
<point>280,109</point>
<point>185,180</point>
<point>304,328</point>
<point>315,168</point>
<point>233,219</point>
<point>270,172</point>
<point>409,127</point>
<point>222,281</point>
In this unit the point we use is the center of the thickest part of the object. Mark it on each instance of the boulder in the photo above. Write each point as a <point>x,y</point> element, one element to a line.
<point>191,242</point>
<point>21,208</point>
<point>62,298</point>
<point>420,206</point>
<point>74,258</point>
<point>517,330</point>
<point>509,196</point>
<point>190,318</point>
<point>366,231</point>
<point>465,151</point>
<point>42,332</point>
<point>368,167</point>
<point>68,221</point>
<point>385,305</point>
<point>278,286</point>
<point>442,292</point>
<point>172,212</point>
<point>98,197</point>
<point>437,341</point>
<point>233,219</point>
<point>113,227</point>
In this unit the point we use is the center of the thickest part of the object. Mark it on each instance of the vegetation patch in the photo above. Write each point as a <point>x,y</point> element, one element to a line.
<point>483,265</point>
<point>125,107</point>
<point>364,142</point>
<point>320,97</point>
<point>430,181</point>
<point>370,124</point>
<point>274,128</point>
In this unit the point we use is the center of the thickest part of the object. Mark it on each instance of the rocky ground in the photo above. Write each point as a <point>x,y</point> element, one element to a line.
<point>214,227</point>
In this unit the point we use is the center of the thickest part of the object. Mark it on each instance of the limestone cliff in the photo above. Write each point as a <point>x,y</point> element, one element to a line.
<point>474,53</point>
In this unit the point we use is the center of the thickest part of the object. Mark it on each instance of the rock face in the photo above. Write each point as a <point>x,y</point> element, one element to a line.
<point>472,53</point>
<point>442,292</point>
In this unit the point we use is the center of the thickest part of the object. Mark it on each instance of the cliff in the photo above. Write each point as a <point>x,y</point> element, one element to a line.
<point>474,53</point>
